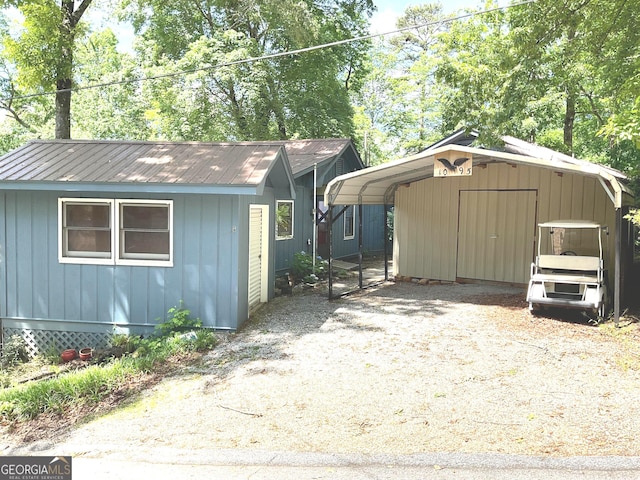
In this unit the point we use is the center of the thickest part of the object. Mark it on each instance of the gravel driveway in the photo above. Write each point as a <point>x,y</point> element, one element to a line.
<point>399,369</point>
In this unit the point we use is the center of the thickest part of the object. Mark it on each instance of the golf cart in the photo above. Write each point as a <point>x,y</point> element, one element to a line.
<point>571,272</point>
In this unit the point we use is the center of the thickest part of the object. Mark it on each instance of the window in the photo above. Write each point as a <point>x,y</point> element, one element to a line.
<point>125,232</point>
<point>349,223</point>
<point>144,232</point>
<point>284,219</point>
<point>86,229</point>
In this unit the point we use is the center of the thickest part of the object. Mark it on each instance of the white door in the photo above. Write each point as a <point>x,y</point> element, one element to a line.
<point>258,254</point>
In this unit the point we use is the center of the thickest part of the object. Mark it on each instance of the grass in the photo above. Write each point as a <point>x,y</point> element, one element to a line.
<point>94,383</point>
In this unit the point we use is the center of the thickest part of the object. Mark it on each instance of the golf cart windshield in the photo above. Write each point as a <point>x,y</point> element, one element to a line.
<point>570,237</point>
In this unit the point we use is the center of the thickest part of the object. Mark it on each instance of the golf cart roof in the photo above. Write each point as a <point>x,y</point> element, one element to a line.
<point>570,224</point>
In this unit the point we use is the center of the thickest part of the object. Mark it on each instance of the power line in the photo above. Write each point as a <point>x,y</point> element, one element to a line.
<point>271,56</point>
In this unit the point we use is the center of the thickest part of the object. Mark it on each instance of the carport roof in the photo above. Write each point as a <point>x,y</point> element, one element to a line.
<point>377,185</point>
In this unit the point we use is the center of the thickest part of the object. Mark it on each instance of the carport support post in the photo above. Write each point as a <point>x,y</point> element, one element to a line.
<point>330,240</point>
<point>616,280</point>
<point>384,241</point>
<point>360,245</point>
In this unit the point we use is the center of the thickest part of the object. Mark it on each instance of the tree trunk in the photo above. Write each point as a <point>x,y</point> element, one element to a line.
<point>70,16</point>
<point>64,72</point>
<point>63,109</point>
<point>569,117</point>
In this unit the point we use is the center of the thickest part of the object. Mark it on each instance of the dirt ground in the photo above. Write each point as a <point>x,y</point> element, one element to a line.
<point>401,368</point>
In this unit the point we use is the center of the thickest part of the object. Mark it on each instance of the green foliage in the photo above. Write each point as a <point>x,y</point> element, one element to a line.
<point>51,356</point>
<point>55,395</point>
<point>303,268</point>
<point>178,320</point>
<point>14,352</point>
<point>304,96</point>
<point>95,382</point>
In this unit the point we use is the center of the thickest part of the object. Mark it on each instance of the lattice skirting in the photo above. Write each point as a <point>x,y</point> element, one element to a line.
<point>42,341</point>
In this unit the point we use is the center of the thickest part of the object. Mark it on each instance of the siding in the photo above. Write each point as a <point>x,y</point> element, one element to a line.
<point>206,274</point>
<point>303,230</point>
<point>426,218</point>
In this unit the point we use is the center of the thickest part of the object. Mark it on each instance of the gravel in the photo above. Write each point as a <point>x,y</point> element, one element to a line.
<point>399,369</point>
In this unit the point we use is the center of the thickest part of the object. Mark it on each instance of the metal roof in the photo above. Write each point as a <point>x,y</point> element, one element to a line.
<point>377,185</point>
<point>304,154</point>
<point>74,162</point>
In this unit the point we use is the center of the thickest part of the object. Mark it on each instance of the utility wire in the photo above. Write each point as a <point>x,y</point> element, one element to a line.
<point>271,56</point>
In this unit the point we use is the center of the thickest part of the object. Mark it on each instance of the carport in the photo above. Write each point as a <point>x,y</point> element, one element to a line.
<point>469,214</point>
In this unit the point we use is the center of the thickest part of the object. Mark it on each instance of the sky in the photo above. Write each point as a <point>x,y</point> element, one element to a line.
<point>384,20</point>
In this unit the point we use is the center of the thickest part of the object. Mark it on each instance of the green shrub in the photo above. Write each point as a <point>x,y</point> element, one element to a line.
<point>14,352</point>
<point>93,383</point>
<point>303,268</point>
<point>178,320</point>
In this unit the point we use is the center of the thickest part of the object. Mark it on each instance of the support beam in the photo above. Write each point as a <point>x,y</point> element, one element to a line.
<point>385,232</point>
<point>330,240</point>
<point>618,270</point>
<point>360,245</point>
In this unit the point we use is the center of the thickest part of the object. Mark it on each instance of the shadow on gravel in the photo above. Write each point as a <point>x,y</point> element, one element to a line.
<point>285,320</point>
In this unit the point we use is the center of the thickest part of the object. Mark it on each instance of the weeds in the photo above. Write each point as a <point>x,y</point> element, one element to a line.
<point>626,336</point>
<point>95,382</point>
<point>14,352</point>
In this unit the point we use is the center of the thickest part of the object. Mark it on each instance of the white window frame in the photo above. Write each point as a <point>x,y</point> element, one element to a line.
<point>353,223</point>
<point>285,237</point>
<point>63,254</point>
<point>115,208</point>
<point>142,259</point>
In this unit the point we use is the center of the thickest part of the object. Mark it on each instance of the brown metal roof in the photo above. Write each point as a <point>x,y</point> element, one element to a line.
<point>303,154</point>
<point>97,161</point>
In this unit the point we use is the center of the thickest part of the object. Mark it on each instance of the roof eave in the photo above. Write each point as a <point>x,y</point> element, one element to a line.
<point>582,168</point>
<point>135,187</point>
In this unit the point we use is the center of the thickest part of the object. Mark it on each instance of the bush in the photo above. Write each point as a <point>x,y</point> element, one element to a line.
<point>92,384</point>
<point>14,352</point>
<point>178,320</point>
<point>304,270</point>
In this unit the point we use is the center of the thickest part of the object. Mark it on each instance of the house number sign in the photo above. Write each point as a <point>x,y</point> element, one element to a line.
<point>452,164</point>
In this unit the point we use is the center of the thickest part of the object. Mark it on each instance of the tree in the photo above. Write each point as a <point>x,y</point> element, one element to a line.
<point>398,110</point>
<point>274,98</point>
<point>548,72</point>
<point>43,52</point>
<point>112,111</point>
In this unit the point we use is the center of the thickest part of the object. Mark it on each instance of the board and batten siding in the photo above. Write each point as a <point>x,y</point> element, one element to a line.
<point>303,230</point>
<point>428,212</point>
<point>209,233</point>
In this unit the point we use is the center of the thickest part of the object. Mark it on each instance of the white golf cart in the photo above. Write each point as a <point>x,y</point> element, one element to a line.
<point>571,272</point>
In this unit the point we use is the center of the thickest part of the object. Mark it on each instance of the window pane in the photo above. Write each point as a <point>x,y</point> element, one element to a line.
<point>284,219</point>
<point>348,222</point>
<point>89,240</point>
<point>145,217</point>
<point>155,243</point>
<point>87,215</point>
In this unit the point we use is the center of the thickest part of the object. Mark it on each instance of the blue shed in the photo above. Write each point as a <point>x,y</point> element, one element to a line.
<point>314,163</point>
<point>97,236</point>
